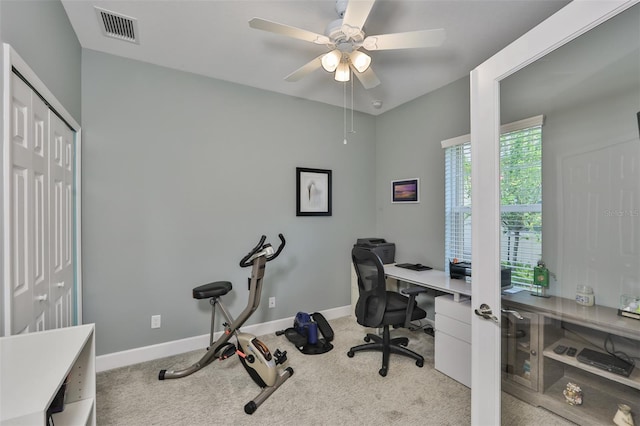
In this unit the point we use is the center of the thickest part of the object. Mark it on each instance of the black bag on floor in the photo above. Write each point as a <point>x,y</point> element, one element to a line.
<point>306,331</point>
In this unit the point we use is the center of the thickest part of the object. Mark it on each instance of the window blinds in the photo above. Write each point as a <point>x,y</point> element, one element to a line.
<point>521,198</point>
<point>521,202</point>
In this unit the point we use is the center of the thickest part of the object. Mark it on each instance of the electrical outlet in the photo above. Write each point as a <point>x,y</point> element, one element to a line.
<point>272,302</point>
<point>155,321</point>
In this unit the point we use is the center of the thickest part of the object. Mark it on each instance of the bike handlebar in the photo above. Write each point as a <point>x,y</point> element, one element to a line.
<point>248,259</point>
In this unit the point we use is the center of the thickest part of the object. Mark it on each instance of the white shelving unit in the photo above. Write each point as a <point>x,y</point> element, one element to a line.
<point>32,369</point>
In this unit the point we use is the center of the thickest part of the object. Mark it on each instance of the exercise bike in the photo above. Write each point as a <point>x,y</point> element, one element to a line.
<point>254,355</point>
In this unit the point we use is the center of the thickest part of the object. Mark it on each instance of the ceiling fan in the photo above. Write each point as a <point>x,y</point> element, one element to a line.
<point>344,37</point>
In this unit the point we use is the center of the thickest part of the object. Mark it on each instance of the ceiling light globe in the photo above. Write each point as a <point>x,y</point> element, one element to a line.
<point>343,72</point>
<point>331,60</point>
<point>360,61</point>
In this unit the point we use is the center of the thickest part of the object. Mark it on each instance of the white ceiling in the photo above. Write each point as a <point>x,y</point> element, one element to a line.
<point>213,38</point>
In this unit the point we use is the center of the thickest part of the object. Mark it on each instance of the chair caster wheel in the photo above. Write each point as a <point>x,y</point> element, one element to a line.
<point>383,372</point>
<point>350,354</point>
<point>367,339</point>
<point>420,363</point>
<point>404,344</point>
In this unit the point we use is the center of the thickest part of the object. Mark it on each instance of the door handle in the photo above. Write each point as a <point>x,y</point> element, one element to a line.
<point>514,313</point>
<point>60,284</point>
<point>41,298</point>
<point>485,312</point>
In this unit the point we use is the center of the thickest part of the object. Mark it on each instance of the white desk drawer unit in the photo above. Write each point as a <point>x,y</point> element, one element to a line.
<point>453,338</point>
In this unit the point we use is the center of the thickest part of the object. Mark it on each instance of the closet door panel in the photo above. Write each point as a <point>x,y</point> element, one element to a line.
<point>61,219</point>
<point>40,231</point>
<point>28,212</point>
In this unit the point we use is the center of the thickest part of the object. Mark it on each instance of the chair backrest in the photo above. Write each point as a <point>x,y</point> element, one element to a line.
<point>372,301</point>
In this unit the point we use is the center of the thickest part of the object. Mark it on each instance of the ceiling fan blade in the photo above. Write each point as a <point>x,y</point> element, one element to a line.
<point>306,69</point>
<point>357,13</point>
<point>368,78</point>
<point>410,40</point>
<point>286,30</point>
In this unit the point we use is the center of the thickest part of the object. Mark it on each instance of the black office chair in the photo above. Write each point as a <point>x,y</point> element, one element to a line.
<point>377,307</point>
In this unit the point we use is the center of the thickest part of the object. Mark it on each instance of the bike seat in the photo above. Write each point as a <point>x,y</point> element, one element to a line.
<point>215,289</point>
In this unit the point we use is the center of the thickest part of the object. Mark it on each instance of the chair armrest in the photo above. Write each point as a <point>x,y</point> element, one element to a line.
<point>413,291</point>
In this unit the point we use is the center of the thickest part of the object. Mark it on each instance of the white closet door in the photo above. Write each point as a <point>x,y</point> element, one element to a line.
<point>61,219</point>
<point>28,189</point>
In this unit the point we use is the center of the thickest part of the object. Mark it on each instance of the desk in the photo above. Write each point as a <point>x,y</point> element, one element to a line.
<point>452,347</point>
<point>437,280</point>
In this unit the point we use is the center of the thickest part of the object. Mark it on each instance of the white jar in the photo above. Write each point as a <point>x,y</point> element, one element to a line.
<point>584,295</point>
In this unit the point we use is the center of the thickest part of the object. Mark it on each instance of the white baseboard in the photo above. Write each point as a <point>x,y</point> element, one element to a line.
<point>161,350</point>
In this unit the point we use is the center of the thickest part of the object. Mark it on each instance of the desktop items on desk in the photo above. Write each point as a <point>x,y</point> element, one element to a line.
<point>461,270</point>
<point>541,279</point>
<point>629,306</point>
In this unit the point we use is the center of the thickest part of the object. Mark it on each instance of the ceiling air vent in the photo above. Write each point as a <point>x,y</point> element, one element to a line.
<point>118,26</point>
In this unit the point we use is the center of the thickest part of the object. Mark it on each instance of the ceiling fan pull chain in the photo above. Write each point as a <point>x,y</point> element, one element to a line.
<point>344,110</point>
<point>352,131</point>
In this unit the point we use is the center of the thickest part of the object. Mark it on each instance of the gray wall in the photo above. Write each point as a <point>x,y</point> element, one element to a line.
<point>408,146</point>
<point>182,174</point>
<point>41,34</point>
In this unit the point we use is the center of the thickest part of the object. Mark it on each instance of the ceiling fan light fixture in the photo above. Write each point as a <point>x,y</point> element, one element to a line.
<point>360,61</point>
<point>343,72</point>
<point>331,60</point>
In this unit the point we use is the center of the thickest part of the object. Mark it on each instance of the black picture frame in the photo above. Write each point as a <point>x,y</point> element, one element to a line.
<point>405,190</point>
<point>313,192</point>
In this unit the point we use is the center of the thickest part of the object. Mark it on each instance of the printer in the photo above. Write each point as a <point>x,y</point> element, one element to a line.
<point>385,251</point>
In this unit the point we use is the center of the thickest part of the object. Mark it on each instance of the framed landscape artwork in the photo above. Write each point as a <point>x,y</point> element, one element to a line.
<point>405,191</point>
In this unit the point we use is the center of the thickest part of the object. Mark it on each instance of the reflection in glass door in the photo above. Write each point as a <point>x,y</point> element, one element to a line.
<point>569,350</point>
<point>520,348</point>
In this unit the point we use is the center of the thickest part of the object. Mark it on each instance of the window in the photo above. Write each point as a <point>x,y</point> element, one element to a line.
<point>521,198</point>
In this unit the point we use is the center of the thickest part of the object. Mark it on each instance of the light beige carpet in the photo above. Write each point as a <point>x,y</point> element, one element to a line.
<point>327,389</point>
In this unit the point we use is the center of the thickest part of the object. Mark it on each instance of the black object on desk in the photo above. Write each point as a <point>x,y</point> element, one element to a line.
<point>560,349</point>
<point>461,270</point>
<point>414,266</point>
<point>385,251</point>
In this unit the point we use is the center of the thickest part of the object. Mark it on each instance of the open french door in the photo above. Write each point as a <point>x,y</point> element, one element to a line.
<point>570,22</point>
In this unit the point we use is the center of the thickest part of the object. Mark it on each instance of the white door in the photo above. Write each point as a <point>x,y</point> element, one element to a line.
<point>572,21</point>
<point>61,219</point>
<point>41,204</point>
<point>28,237</point>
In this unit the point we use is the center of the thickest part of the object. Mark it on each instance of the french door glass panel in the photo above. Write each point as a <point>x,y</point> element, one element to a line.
<point>588,91</point>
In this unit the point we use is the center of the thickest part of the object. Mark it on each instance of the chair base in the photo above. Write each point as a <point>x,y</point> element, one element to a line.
<point>387,346</point>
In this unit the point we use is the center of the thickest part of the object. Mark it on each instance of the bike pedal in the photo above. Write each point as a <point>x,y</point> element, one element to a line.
<point>280,357</point>
<point>228,352</point>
